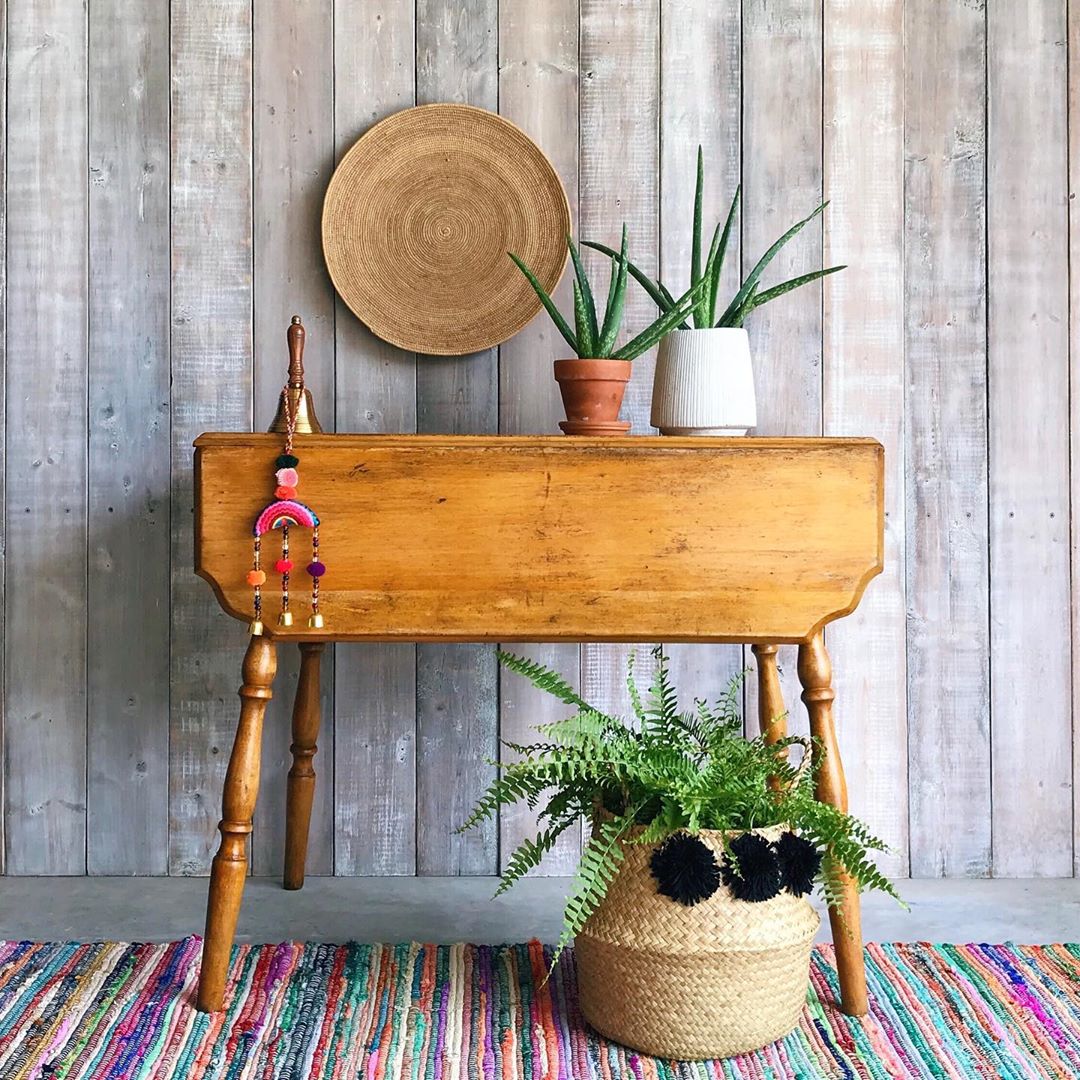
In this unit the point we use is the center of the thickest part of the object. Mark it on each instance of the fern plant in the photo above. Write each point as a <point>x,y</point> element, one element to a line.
<point>704,311</point>
<point>593,337</point>
<point>665,771</point>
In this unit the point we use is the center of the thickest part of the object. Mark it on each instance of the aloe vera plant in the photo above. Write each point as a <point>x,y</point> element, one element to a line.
<point>593,337</point>
<point>706,279</point>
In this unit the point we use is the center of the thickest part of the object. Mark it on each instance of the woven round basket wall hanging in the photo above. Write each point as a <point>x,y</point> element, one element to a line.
<point>419,217</point>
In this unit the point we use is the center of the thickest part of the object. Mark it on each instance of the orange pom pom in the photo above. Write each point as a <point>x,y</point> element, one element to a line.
<point>256,577</point>
<point>284,491</point>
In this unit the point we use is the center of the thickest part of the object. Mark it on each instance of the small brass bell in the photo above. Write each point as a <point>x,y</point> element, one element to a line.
<point>256,629</point>
<point>285,618</point>
<point>315,622</point>
<point>300,401</point>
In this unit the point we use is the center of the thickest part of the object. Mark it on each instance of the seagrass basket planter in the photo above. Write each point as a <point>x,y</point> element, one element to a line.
<point>721,977</point>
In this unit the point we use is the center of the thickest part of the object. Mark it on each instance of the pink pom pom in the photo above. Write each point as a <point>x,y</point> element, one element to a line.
<point>287,477</point>
<point>283,566</point>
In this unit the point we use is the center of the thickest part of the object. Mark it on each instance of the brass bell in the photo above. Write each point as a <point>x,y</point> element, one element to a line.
<point>315,622</point>
<point>285,618</point>
<point>256,628</point>
<point>300,402</point>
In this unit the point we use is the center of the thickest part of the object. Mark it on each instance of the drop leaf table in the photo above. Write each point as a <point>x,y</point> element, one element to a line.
<point>502,539</point>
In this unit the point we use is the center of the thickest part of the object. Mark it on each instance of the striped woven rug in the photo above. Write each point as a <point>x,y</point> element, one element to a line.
<point>472,1011</point>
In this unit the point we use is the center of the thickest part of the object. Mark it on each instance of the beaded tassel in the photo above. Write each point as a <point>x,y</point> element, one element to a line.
<point>285,512</point>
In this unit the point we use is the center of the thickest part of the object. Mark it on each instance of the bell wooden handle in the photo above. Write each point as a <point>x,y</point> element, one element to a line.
<point>295,336</point>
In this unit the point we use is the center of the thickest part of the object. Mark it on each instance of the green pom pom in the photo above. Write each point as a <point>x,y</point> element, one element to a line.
<point>287,461</point>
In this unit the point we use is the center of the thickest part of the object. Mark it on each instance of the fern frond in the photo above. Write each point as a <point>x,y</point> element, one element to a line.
<point>632,689</point>
<point>543,678</point>
<point>599,864</point>
<point>515,785</point>
<point>530,853</point>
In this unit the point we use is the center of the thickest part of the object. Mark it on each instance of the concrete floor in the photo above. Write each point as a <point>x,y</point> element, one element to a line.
<point>460,909</point>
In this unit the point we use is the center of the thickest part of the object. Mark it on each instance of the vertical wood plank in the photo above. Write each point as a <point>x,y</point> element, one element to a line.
<point>375,699</point>
<point>538,90</point>
<point>701,90</point>
<point>946,439</point>
<point>1028,328</point>
<point>212,387</point>
<point>1072,144</point>
<point>294,157</point>
<point>3,421</point>
<point>129,453</point>
<point>782,183</point>
<point>619,182</point>
<point>457,685</point>
<point>46,431</point>
<point>863,370</point>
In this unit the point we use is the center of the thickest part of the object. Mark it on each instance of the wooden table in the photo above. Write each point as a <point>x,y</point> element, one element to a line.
<point>501,539</point>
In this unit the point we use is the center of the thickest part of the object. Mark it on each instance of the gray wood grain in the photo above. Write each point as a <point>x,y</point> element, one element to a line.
<point>782,183</point>
<point>878,103</point>
<point>375,701</point>
<point>700,105</point>
<point>946,439</point>
<point>538,90</point>
<point>212,388</point>
<point>45,638</point>
<point>1028,335</point>
<point>129,452</point>
<point>457,685</point>
<point>293,150</point>
<point>3,420</point>
<point>863,375</point>
<point>1074,400</point>
<point>619,182</point>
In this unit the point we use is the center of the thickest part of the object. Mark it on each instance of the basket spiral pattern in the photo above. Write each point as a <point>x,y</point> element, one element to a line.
<point>419,217</point>
<point>720,978</point>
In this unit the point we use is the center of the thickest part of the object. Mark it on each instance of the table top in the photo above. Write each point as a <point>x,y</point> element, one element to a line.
<point>550,538</point>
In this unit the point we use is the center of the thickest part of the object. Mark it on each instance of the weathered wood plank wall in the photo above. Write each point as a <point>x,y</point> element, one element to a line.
<point>160,224</point>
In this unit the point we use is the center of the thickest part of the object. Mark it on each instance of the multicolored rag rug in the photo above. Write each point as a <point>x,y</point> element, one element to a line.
<point>316,1012</point>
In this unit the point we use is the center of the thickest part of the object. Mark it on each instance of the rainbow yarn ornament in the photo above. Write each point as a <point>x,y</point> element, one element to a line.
<point>283,514</point>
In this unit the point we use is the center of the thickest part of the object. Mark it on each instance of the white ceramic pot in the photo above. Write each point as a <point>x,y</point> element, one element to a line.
<point>704,383</point>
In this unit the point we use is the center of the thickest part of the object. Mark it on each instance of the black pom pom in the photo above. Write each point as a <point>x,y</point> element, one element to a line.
<point>287,461</point>
<point>685,869</point>
<point>754,875</point>
<point>800,863</point>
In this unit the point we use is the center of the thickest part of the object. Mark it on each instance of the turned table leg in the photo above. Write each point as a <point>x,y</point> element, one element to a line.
<point>772,716</point>
<point>301,786</point>
<point>815,674</point>
<point>238,808</point>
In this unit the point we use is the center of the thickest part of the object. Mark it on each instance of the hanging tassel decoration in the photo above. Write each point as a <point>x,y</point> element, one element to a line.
<point>285,512</point>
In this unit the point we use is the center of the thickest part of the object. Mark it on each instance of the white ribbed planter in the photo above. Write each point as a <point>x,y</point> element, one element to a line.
<point>704,383</point>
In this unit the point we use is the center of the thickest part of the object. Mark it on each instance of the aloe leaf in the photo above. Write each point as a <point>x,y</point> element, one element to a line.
<point>756,299</point>
<point>663,325</point>
<point>794,283</point>
<point>701,308</point>
<point>714,287</point>
<point>636,273</point>
<point>549,304</point>
<point>737,317</point>
<point>763,262</point>
<point>586,344</point>
<point>613,314</point>
<point>695,255</point>
<point>586,290</point>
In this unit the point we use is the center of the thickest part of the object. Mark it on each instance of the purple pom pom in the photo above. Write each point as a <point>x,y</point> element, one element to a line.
<point>316,569</point>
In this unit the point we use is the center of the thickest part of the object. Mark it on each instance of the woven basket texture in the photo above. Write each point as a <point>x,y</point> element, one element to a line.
<point>419,217</point>
<point>719,978</point>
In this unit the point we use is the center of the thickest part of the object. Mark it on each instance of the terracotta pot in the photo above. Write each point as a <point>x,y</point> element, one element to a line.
<point>592,392</point>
